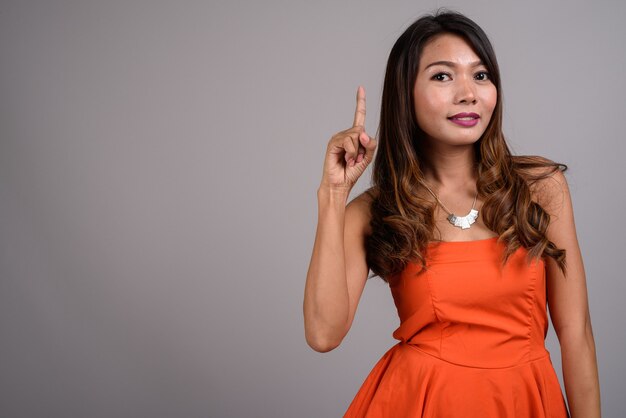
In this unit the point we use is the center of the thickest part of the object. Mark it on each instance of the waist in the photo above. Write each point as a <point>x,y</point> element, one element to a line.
<point>482,353</point>
<point>545,357</point>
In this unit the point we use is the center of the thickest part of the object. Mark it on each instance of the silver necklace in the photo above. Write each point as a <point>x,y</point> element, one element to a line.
<point>463,222</point>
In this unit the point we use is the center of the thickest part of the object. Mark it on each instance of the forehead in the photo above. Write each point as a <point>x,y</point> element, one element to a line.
<point>447,47</point>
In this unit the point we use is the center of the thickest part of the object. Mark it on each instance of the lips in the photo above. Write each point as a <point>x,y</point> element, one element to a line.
<point>465,119</point>
<point>465,116</point>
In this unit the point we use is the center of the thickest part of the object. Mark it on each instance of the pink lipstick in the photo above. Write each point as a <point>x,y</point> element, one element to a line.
<point>465,119</point>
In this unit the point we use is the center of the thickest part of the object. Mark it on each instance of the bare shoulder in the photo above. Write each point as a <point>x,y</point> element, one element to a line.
<point>551,191</point>
<point>547,182</point>
<point>358,211</point>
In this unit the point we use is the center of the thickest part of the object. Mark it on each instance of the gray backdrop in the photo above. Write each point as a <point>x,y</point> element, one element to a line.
<point>159,163</point>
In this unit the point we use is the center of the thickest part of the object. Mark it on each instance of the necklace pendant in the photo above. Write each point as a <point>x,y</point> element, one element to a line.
<point>463,222</point>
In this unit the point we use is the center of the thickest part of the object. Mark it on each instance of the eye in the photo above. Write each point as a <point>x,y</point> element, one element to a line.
<point>439,75</point>
<point>485,74</point>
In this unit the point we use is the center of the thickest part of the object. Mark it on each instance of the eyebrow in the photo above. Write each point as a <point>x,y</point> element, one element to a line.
<point>452,64</point>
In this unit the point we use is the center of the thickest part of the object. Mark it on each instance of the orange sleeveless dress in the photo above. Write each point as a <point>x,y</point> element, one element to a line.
<point>471,340</point>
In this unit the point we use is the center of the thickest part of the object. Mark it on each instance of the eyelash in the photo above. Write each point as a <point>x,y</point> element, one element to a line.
<point>480,72</point>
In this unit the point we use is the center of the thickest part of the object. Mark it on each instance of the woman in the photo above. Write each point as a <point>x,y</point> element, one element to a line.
<point>472,240</point>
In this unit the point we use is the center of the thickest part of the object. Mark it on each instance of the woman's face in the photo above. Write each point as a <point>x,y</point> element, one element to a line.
<point>459,85</point>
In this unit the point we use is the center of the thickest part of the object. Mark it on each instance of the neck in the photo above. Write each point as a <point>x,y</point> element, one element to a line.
<point>449,167</point>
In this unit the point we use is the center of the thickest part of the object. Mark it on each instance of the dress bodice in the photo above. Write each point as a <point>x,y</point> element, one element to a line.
<point>469,309</point>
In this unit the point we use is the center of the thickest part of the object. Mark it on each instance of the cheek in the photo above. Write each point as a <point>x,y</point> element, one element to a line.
<point>429,105</point>
<point>490,99</point>
<point>423,115</point>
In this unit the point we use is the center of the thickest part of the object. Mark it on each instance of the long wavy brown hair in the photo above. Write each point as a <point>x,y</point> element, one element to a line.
<point>402,222</point>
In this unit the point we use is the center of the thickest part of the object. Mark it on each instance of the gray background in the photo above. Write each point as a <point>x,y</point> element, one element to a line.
<point>159,163</point>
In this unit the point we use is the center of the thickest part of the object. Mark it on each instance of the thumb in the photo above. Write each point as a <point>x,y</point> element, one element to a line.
<point>369,144</point>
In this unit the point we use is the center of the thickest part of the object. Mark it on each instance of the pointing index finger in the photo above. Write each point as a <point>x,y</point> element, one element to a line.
<point>359,114</point>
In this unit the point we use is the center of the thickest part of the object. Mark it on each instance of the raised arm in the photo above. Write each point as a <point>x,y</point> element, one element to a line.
<point>337,270</point>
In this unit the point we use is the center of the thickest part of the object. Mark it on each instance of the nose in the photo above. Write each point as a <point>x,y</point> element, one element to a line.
<point>465,91</point>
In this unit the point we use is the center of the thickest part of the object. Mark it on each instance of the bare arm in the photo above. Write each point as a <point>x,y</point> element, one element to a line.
<point>338,270</point>
<point>568,303</point>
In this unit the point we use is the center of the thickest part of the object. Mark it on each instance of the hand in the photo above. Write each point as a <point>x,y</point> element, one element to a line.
<point>349,152</point>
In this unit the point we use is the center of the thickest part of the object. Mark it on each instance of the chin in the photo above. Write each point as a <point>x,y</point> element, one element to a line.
<point>459,141</point>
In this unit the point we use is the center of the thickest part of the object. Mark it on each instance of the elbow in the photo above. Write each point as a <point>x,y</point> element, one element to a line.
<point>322,344</point>
<point>323,335</point>
<point>576,339</point>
